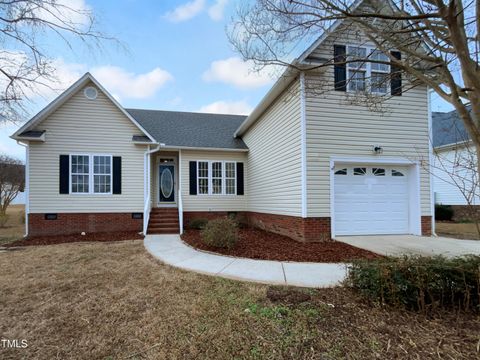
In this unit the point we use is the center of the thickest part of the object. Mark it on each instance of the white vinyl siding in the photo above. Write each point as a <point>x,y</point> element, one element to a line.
<point>453,177</point>
<point>340,124</point>
<point>217,202</point>
<point>83,126</point>
<point>274,159</point>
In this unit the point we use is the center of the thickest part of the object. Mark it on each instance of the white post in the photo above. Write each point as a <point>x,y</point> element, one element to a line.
<point>180,204</point>
<point>27,184</point>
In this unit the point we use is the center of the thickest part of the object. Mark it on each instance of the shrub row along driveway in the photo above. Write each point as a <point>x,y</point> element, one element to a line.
<point>112,300</point>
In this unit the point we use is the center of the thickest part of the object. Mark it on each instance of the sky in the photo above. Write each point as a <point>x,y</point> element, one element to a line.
<point>175,55</point>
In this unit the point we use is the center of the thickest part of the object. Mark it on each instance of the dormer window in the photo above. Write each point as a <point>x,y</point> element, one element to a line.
<point>364,75</point>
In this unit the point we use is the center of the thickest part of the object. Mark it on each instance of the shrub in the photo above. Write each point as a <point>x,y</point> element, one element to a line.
<point>198,224</point>
<point>220,233</point>
<point>419,283</point>
<point>443,212</point>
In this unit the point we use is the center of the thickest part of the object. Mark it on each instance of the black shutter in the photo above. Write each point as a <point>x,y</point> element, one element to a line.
<point>340,70</point>
<point>396,76</point>
<point>193,177</point>
<point>240,181</point>
<point>64,174</point>
<point>117,175</point>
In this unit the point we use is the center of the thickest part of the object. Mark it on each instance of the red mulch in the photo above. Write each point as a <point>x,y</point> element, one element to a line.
<point>259,244</point>
<point>61,239</point>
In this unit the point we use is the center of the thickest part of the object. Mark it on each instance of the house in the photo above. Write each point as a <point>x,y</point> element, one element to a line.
<point>312,165</point>
<point>455,176</point>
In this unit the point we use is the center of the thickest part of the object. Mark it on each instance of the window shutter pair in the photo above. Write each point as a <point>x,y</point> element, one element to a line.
<point>340,71</point>
<point>193,178</point>
<point>65,174</point>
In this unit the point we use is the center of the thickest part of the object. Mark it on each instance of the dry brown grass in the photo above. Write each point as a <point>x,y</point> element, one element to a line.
<point>112,300</point>
<point>457,230</point>
<point>15,227</point>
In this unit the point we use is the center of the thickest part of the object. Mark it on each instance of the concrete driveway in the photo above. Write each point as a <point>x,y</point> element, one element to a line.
<point>409,244</point>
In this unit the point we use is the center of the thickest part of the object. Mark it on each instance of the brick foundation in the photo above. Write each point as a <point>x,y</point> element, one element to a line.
<point>75,223</point>
<point>297,228</point>
<point>426,225</point>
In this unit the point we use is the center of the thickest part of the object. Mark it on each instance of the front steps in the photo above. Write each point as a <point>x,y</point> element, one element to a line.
<point>163,221</point>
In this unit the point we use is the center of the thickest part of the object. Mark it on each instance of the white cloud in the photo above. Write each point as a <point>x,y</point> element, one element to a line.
<point>118,81</point>
<point>216,10</point>
<point>236,72</point>
<point>227,107</point>
<point>126,84</point>
<point>186,11</point>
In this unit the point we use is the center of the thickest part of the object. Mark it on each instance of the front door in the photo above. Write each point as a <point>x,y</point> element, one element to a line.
<point>166,183</point>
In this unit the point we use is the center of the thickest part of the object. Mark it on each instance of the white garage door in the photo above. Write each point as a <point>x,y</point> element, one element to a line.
<point>371,200</point>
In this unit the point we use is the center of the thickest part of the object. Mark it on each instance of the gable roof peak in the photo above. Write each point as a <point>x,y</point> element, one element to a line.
<point>64,97</point>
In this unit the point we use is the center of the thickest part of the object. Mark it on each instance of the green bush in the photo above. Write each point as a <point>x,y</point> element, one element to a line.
<point>443,212</point>
<point>419,283</point>
<point>220,233</point>
<point>198,223</point>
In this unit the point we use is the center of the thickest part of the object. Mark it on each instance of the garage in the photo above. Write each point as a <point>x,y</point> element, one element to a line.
<point>371,199</point>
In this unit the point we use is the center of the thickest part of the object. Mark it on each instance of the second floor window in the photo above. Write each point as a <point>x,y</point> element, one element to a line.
<point>365,75</point>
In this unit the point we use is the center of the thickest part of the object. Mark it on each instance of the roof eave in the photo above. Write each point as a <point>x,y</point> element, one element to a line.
<point>173,147</point>
<point>40,138</point>
<point>452,146</point>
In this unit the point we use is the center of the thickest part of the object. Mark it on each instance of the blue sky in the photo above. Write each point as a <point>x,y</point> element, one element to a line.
<point>177,57</point>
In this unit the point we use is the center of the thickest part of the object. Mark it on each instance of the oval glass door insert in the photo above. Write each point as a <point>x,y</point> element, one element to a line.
<point>166,183</point>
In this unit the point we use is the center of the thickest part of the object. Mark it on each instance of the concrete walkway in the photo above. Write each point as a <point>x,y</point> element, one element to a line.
<point>173,251</point>
<point>396,245</point>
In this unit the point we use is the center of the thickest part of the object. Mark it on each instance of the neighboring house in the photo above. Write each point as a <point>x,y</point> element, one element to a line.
<point>309,165</point>
<point>455,180</point>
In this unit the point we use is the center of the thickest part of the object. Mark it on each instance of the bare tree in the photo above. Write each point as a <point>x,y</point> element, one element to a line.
<point>439,41</point>
<point>26,27</point>
<point>12,181</point>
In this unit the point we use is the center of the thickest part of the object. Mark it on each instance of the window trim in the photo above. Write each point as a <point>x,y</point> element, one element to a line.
<point>91,175</point>
<point>203,177</point>
<point>210,177</point>
<point>367,70</point>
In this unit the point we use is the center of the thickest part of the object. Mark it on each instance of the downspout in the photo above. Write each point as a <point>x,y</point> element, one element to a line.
<point>147,185</point>
<point>27,184</point>
<point>303,144</point>
<point>430,159</point>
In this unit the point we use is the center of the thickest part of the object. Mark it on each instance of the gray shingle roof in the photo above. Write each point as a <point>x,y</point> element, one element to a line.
<point>187,129</point>
<point>447,128</point>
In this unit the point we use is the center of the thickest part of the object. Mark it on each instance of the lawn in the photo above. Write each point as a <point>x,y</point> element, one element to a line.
<point>15,226</point>
<point>457,230</point>
<point>112,300</point>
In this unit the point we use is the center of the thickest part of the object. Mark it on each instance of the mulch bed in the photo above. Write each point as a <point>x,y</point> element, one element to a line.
<point>61,239</point>
<point>259,244</point>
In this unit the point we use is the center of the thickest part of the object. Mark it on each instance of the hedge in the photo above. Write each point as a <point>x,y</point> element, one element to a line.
<point>419,283</point>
